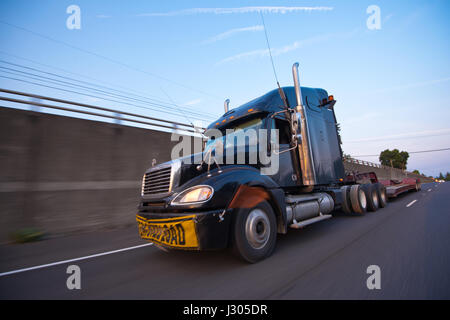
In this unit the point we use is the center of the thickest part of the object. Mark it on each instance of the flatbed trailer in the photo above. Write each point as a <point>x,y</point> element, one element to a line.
<point>397,187</point>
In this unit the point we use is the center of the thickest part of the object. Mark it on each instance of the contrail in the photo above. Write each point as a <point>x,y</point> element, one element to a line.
<point>266,10</point>
<point>230,33</point>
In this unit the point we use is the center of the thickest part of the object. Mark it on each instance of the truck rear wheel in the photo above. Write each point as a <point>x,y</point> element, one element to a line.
<point>382,195</point>
<point>254,232</point>
<point>372,196</point>
<point>358,199</point>
<point>418,186</point>
<point>346,204</point>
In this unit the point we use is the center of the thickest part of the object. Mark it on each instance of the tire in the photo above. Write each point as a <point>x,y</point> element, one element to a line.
<point>382,195</point>
<point>346,204</point>
<point>254,232</point>
<point>372,197</point>
<point>418,186</point>
<point>358,199</point>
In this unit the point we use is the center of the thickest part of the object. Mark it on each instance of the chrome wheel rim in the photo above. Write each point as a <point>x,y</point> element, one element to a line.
<point>383,195</point>
<point>375,199</point>
<point>257,228</point>
<point>362,198</point>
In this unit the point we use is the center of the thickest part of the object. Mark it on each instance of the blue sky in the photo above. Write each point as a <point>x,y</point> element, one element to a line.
<point>391,84</point>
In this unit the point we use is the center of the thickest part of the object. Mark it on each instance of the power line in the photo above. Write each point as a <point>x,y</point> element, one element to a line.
<point>181,110</point>
<point>153,100</point>
<point>398,138</point>
<point>129,90</point>
<point>423,151</point>
<point>107,59</point>
<point>88,95</point>
<point>84,105</point>
<point>102,92</point>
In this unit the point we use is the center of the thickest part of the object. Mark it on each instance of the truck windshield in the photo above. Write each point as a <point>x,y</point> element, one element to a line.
<point>236,134</point>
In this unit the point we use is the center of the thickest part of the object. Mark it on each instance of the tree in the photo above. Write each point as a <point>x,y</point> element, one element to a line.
<point>395,158</point>
<point>441,176</point>
<point>347,156</point>
<point>416,172</point>
<point>447,176</point>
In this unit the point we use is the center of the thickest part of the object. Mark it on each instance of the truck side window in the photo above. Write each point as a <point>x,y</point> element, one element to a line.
<point>283,130</point>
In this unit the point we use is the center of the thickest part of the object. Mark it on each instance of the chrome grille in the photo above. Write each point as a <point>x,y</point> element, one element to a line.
<point>157,181</point>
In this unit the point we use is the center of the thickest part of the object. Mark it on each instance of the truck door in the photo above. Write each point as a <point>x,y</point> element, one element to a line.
<point>286,176</point>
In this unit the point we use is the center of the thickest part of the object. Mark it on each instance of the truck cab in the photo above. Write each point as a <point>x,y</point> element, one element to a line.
<point>270,164</point>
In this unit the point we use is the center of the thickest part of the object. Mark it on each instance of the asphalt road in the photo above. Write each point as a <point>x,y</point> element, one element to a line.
<point>326,260</point>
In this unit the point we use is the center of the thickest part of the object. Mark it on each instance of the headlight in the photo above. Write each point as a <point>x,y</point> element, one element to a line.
<point>197,194</point>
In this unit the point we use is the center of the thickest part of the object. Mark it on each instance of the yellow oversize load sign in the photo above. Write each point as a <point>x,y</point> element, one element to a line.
<point>174,232</point>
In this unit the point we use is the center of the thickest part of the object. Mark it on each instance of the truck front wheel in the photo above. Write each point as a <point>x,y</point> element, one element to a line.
<point>254,232</point>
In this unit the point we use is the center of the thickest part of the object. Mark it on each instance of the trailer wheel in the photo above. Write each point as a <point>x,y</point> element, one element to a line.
<point>418,186</point>
<point>382,195</point>
<point>346,204</point>
<point>254,232</point>
<point>372,196</point>
<point>358,199</point>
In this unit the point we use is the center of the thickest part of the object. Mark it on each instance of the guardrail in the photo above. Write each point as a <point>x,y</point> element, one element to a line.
<point>115,114</point>
<point>366,163</point>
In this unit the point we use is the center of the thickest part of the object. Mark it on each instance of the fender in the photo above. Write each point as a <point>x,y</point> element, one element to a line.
<point>226,185</point>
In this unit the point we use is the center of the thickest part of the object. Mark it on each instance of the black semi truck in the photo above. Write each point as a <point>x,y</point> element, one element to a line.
<point>218,204</point>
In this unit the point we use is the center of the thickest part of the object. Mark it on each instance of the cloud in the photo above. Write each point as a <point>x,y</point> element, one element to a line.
<point>388,17</point>
<point>401,136</point>
<point>229,33</point>
<point>103,16</point>
<point>241,10</point>
<point>275,51</point>
<point>413,85</point>
<point>192,102</point>
<point>361,118</point>
<point>290,47</point>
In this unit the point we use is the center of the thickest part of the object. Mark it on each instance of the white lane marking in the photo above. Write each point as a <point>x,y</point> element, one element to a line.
<point>72,260</point>
<point>429,190</point>
<point>411,203</point>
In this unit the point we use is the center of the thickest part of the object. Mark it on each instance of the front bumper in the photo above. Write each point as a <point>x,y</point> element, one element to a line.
<point>189,231</point>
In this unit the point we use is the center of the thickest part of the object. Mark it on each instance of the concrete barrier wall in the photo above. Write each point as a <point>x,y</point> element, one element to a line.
<point>63,175</point>
<point>382,172</point>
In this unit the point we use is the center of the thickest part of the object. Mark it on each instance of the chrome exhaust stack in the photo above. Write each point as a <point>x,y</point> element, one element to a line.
<point>226,105</point>
<point>304,143</point>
